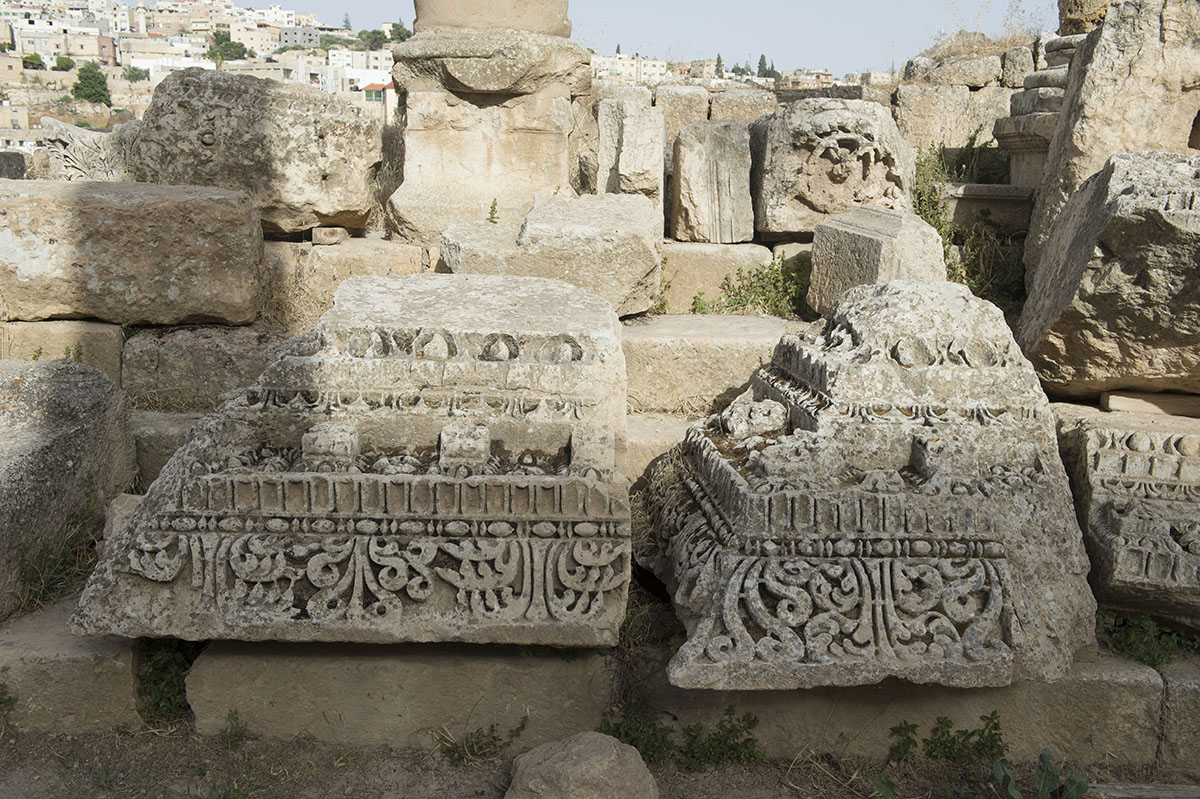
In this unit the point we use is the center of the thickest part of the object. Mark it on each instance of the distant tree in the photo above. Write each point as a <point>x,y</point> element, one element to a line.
<point>226,51</point>
<point>5,47</point>
<point>737,69</point>
<point>63,64</point>
<point>91,86</point>
<point>134,74</point>
<point>618,49</point>
<point>373,39</point>
<point>762,66</point>
<point>720,66</point>
<point>220,37</point>
<point>32,61</point>
<point>346,21</point>
<point>399,32</point>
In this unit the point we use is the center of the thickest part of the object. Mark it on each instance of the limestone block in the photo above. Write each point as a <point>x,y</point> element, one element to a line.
<point>540,16</point>
<point>316,504</point>
<point>396,696</point>
<point>158,435</point>
<point>588,765</point>
<point>632,147</point>
<point>93,343</point>
<point>328,236</point>
<point>189,368</point>
<point>986,106</point>
<point>932,115</point>
<point>1166,403</point>
<point>304,283</point>
<point>303,156</point>
<point>612,90</point>
<point>695,268</point>
<point>1110,305</point>
<point>1135,476</point>
<point>1051,78</point>
<point>1036,101</point>
<point>968,71</point>
<point>1017,62</point>
<point>796,256</point>
<point>650,436</point>
<point>607,244</point>
<point>1003,208</point>
<point>119,509</point>
<point>1117,725</point>
<point>1026,139</point>
<point>63,684</point>
<point>65,451</point>
<point>915,475</point>
<point>872,245</point>
<point>12,165</point>
<point>742,105</point>
<point>1130,88</point>
<point>501,61</point>
<point>1080,16</point>
<point>819,158</point>
<point>711,184</point>
<point>74,153</point>
<point>128,253</point>
<point>691,364</point>
<point>460,158</point>
<point>1181,713</point>
<point>682,106</point>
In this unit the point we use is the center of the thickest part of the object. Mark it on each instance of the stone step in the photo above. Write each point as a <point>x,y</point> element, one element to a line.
<point>1055,77</point>
<point>1044,99</point>
<point>63,683</point>
<point>651,435</point>
<point>93,343</point>
<point>688,365</point>
<point>1165,404</point>
<point>1003,208</point>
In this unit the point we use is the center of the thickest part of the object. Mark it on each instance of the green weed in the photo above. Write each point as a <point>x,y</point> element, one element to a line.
<point>163,670</point>
<point>772,289</point>
<point>982,745</point>
<point>1143,638</point>
<point>493,214</point>
<point>730,742</point>
<point>478,745</point>
<point>1046,780</point>
<point>640,728</point>
<point>234,732</point>
<point>905,744</point>
<point>658,300</point>
<point>57,568</point>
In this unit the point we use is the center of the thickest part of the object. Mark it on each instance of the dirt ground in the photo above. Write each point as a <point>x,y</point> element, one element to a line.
<point>177,764</point>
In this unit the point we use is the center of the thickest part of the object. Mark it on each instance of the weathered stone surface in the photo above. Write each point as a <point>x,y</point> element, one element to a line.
<point>329,236</point>
<point>1017,63</point>
<point>711,184</point>
<point>12,165</point>
<point>795,256</point>
<point>741,105</point>
<point>1052,78</point>
<point>505,62</point>
<point>304,278</point>
<point>93,343</point>
<point>588,765</point>
<point>693,364</point>
<point>1036,101</point>
<point>65,450</point>
<point>818,158</point>
<point>967,71</point>
<point>1026,139</point>
<point>1113,303</point>
<point>540,16</point>
<point>128,253</point>
<point>1181,713</point>
<point>75,153</point>
<point>650,436</point>
<point>377,484</point>
<point>608,244</point>
<point>1168,403</point>
<point>1080,16</point>
<point>1130,88</point>
<point>694,268</point>
<point>64,684</point>
<point>1135,477</point>
<point>872,245</point>
<point>916,477</point>
<point>304,157</point>
<point>460,158</point>
<point>189,368</point>
<point>1003,208</point>
<point>612,90</point>
<point>1127,708</point>
<point>158,435</point>
<point>119,509</point>
<point>632,147</point>
<point>335,693</point>
<point>682,106</point>
<point>952,116</point>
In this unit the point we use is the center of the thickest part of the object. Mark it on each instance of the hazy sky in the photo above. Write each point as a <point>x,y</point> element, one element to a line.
<point>839,35</point>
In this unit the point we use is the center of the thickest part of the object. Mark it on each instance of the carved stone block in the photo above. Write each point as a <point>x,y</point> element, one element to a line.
<point>885,501</point>
<point>435,461</point>
<point>1136,479</point>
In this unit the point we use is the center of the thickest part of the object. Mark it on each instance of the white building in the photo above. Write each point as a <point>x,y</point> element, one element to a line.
<point>629,68</point>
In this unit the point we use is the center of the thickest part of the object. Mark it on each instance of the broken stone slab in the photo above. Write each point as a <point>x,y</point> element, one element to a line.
<point>122,253</point>
<point>612,90</point>
<point>441,688</point>
<point>1026,140</point>
<point>495,61</point>
<point>682,106</point>
<point>304,157</point>
<point>651,435</point>
<point>588,765</point>
<point>1017,62</point>
<point>65,451</point>
<point>1037,101</point>
<point>1163,403</point>
<point>1136,477</point>
<point>74,153</point>
<point>711,184</point>
<point>190,368</point>
<point>93,343</point>
<point>608,244</point>
<point>974,73</point>
<point>953,116</point>
<point>158,435</point>
<point>436,460</point>
<point>63,684</point>
<point>329,236</point>
<point>1049,78</point>
<point>741,105</point>
<point>872,245</point>
<point>690,364</point>
<point>631,150</point>
<point>1181,713</point>
<point>1130,88</point>
<point>548,17</point>
<point>1110,303</point>
<point>819,158</point>
<point>698,270</point>
<point>1003,208</point>
<point>464,162</point>
<point>885,501</point>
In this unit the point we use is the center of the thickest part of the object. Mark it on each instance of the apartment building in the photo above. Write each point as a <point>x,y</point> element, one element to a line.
<point>629,68</point>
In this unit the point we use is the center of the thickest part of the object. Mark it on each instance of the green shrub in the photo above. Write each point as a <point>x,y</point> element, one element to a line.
<point>91,85</point>
<point>730,742</point>
<point>1143,638</point>
<point>63,64</point>
<point>772,289</point>
<point>162,675</point>
<point>640,728</point>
